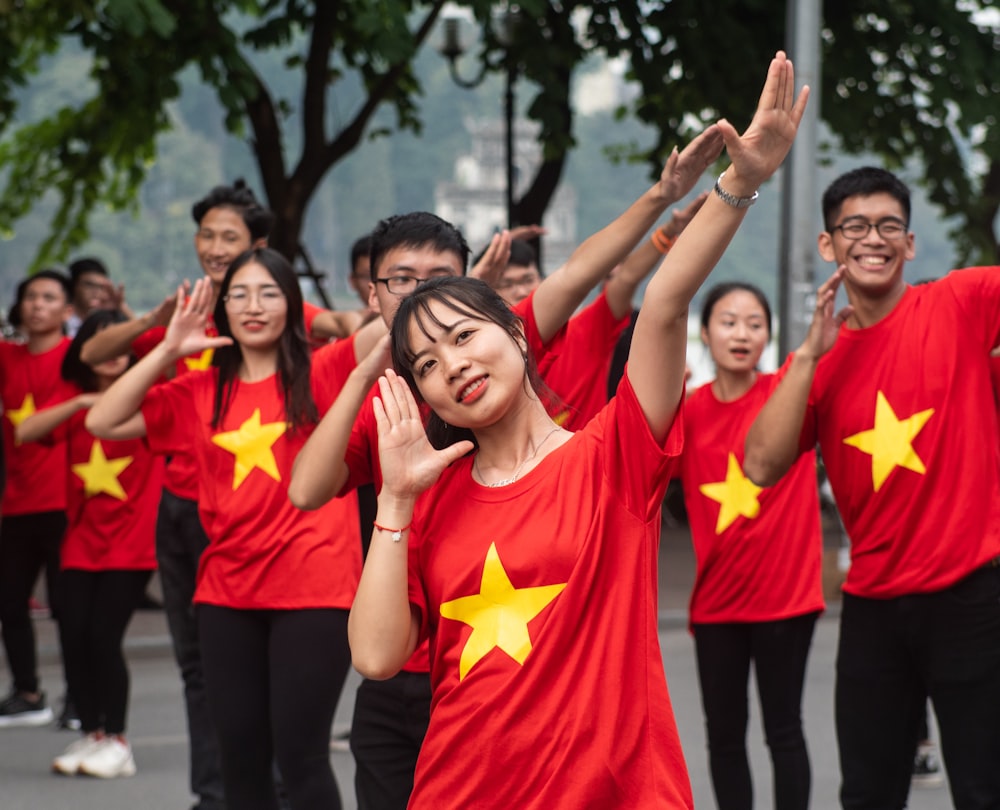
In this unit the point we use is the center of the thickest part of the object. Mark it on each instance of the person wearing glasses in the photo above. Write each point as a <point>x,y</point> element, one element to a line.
<point>892,388</point>
<point>275,583</point>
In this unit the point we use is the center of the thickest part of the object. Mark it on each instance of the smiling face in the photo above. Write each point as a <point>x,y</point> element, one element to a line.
<point>470,370</point>
<point>874,263</point>
<point>402,268</point>
<point>256,308</point>
<point>737,332</point>
<point>222,236</point>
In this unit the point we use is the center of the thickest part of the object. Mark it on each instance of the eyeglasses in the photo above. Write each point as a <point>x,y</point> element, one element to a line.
<point>402,285</point>
<point>269,298</point>
<point>888,228</point>
<point>530,280</point>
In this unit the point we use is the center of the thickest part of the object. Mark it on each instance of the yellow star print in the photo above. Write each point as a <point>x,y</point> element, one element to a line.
<point>201,362</point>
<point>18,415</point>
<point>498,614</point>
<point>100,474</point>
<point>251,445</point>
<point>889,443</point>
<point>737,496</point>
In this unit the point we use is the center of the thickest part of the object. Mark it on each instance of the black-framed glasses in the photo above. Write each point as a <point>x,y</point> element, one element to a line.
<point>888,228</point>
<point>401,285</point>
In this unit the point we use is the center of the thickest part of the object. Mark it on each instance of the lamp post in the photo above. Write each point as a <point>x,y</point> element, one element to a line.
<point>452,50</point>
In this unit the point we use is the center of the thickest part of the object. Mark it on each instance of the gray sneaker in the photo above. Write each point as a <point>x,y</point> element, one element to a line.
<point>17,710</point>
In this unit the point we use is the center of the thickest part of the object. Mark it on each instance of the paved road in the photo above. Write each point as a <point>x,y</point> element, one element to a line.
<point>158,735</point>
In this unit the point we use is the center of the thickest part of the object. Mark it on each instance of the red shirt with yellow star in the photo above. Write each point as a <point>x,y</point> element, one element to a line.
<point>114,492</point>
<point>36,471</point>
<point>900,411</point>
<point>182,471</point>
<point>759,552</point>
<point>577,369</point>
<point>263,552</point>
<point>539,599</point>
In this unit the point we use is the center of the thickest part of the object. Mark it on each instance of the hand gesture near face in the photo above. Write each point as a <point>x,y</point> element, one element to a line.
<point>186,330</point>
<point>409,462</point>
<point>826,324</point>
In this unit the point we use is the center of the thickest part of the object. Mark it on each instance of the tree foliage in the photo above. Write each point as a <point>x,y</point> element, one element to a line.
<point>911,80</point>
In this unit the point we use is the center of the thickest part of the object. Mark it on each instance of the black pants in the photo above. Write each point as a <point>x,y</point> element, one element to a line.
<point>27,544</point>
<point>180,541</point>
<point>779,650</point>
<point>273,680</point>
<point>389,725</point>
<point>893,653</point>
<point>97,607</point>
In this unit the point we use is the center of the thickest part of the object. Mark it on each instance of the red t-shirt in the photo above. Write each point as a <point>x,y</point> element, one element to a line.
<point>114,492</point>
<point>558,697</point>
<point>36,471</point>
<point>263,552</point>
<point>759,552</point>
<point>182,471</point>
<point>577,371</point>
<point>912,453</point>
<point>995,374</point>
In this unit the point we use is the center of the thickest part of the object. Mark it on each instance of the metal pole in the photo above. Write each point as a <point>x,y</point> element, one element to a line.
<point>800,197</point>
<point>509,135</point>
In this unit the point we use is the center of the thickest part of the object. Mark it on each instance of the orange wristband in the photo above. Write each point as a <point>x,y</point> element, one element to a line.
<point>661,241</point>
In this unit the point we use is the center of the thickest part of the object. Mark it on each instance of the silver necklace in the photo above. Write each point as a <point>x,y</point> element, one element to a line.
<point>505,481</point>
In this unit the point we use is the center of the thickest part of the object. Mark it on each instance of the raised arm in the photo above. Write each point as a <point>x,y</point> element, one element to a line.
<point>772,445</point>
<point>625,280</point>
<point>43,422</point>
<point>117,414</point>
<point>383,628</point>
<point>656,359</point>
<point>116,339</point>
<point>319,471</point>
<point>560,293</point>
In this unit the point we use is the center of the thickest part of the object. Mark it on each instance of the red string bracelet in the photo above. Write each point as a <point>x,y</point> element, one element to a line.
<point>395,534</point>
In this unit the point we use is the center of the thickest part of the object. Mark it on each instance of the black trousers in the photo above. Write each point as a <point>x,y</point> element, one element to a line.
<point>779,650</point>
<point>97,607</point>
<point>273,679</point>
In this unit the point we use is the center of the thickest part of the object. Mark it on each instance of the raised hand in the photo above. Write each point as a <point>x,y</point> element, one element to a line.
<point>826,324</point>
<point>186,330</point>
<point>683,169</point>
<point>757,153</point>
<point>680,218</point>
<point>494,260</point>
<point>409,462</point>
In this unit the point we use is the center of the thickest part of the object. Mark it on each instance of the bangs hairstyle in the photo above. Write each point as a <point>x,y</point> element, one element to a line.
<point>293,346</point>
<point>470,298</point>
<point>863,182</point>
<point>73,368</point>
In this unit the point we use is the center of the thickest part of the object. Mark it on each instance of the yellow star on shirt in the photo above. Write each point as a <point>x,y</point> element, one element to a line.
<point>498,614</point>
<point>18,415</point>
<point>100,474</point>
<point>251,445</point>
<point>201,362</point>
<point>889,443</point>
<point>737,496</point>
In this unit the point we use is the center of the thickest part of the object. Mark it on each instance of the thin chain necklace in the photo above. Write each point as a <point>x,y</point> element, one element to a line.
<point>505,481</point>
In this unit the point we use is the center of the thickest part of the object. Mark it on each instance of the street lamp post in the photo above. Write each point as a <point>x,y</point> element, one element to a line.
<point>452,50</point>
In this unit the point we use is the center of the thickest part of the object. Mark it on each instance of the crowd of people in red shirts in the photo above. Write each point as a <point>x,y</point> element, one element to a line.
<point>439,489</point>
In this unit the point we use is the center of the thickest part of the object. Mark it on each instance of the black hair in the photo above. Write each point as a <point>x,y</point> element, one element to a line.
<point>14,318</point>
<point>73,368</point>
<point>293,346</point>
<point>240,198</point>
<point>87,264</point>
<point>863,182</point>
<point>417,229</point>
<point>361,248</point>
<point>720,291</point>
<point>473,299</point>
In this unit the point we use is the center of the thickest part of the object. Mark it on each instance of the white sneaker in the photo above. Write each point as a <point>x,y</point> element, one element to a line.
<point>68,762</point>
<point>110,759</point>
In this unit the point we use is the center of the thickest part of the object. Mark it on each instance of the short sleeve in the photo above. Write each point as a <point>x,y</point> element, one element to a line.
<point>168,412</point>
